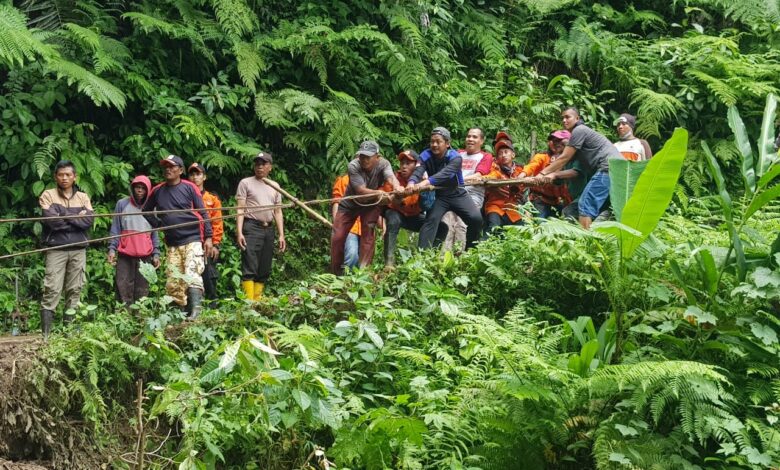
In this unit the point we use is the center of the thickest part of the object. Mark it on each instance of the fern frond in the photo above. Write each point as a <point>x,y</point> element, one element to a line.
<point>249,63</point>
<point>100,91</point>
<point>235,16</point>
<point>17,43</point>
<point>654,108</point>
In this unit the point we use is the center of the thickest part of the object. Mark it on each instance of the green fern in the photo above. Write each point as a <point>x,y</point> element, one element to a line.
<point>249,62</point>
<point>18,44</point>
<point>235,17</point>
<point>654,109</point>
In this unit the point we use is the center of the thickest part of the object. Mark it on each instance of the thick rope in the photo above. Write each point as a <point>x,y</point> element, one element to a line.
<point>490,183</point>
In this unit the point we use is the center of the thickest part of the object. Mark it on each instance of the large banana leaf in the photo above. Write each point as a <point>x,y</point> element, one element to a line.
<point>728,210</point>
<point>743,145</point>
<point>766,150</point>
<point>623,175</point>
<point>653,190</point>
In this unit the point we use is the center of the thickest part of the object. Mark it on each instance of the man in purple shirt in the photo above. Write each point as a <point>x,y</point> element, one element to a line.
<point>186,244</point>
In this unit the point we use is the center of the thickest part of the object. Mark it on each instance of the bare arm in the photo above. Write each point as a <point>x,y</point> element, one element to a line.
<point>560,162</point>
<point>240,223</point>
<point>279,219</point>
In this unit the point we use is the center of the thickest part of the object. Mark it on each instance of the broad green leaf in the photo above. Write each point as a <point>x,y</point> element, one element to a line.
<point>302,399</point>
<point>766,334</point>
<point>700,315</point>
<point>728,210</point>
<point>266,349</point>
<point>767,178</point>
<point>761,200</point>
<point>228,360</point>
<point>709,270</point>
<point>622,233</point>
<point>654,190</point>
<point>626,430</point>
<point>743,145</point>
<point>766,150</point>
<point>619,458</point>
<point>623,175</point>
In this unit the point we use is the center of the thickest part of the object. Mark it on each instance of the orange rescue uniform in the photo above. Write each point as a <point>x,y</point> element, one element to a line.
<point>502,200</point>
<point>339,188</point>
<point>409,205</point>
<point>550,194</point>
<point>214,206</point>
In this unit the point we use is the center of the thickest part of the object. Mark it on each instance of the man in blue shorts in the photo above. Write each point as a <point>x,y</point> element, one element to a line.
<point>593,150</point>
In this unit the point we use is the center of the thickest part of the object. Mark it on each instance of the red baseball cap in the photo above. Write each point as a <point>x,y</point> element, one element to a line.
<point>502,135</point>
<point>410,155</point>
<point>502,144</point>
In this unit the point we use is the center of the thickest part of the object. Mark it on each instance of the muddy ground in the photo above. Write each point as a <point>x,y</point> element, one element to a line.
<point>16,352</point>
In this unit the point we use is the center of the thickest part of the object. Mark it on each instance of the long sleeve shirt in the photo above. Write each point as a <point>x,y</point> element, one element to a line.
<point>184,195</point>
<point>58,231</point>
<point>444,172</point>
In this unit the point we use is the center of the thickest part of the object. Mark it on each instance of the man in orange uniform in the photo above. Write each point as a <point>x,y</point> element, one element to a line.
<point>501,201</point>
<point>352,245</point>
<point>550,198</point>
<point>210,274</point>
<point>405,212</point>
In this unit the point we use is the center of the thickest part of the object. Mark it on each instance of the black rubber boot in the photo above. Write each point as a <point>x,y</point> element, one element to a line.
<point>390,250</point>
<point>67,319</point>
<point>194,301</point>
<point>47,319</point>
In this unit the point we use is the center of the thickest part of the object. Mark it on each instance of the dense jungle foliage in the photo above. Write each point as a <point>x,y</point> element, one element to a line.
<point>550,347</point>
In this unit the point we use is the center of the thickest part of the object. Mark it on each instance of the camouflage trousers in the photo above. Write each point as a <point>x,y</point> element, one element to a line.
<point>183,270</point>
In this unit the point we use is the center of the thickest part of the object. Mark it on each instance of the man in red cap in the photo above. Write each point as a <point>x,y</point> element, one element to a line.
<point>501,201</point>
<point>405,212</point>
<point>186,244</point>
<point>197,174</point>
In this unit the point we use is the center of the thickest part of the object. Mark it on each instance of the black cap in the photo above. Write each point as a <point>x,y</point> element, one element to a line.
<point>368,148</point>
<point>443,132</point>
<point>196,167</point>
<point>265,157</point>
<point>172,160</point>
<point>628,119</point>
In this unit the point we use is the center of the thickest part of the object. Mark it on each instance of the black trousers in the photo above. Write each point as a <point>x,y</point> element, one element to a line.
<point>256,259</point>
<point>395,221</point>
<point>459,202</point>
<point>130,284</point>
<point>495,220</point>
<point>210,277</point>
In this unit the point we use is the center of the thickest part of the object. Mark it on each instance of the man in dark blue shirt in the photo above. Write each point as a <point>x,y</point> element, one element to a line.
<point>185,245</point>
<point>443,166</point>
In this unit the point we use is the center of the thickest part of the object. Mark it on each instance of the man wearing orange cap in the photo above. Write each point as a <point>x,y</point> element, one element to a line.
<point>197,174</point>
<point>405,212</point>
<point>501,201</point>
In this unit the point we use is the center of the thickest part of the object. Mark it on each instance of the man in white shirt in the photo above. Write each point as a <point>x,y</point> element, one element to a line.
<point>476,164</point>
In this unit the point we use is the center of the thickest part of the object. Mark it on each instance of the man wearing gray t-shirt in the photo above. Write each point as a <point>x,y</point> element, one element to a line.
<point>593,150</point>
<point>368,172</point>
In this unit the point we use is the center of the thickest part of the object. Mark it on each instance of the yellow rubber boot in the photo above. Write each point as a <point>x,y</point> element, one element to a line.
<point>259,288</point>
<point>249,289</point>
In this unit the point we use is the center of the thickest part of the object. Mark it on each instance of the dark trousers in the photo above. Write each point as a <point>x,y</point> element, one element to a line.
<point>395,221</point>
<point>460,203</point>
<point>495,220</point>
<point>130,284</point>
<point>210,277</point>
<point>256,259</point>
<point>547,210</point>
<point>341,227</point>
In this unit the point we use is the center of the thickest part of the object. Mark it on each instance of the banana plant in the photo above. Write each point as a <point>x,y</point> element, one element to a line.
<point>759,171</point>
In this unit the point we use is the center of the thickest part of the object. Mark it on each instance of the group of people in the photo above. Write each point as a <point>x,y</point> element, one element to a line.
<point>569,179</point>
<point>438,193</point>
<point>190,218</point>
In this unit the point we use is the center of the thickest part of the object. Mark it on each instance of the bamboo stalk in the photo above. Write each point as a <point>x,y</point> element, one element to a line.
<point>297,202</point>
